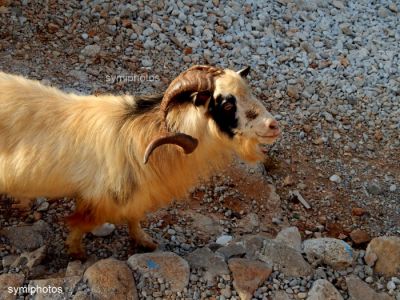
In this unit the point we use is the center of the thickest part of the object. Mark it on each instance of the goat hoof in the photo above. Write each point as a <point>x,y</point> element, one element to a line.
<point>146,244</point>
<point>78,255</point>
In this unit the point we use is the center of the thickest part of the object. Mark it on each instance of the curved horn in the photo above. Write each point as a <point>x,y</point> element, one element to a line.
<point>186,142</point>
<point>198,78</point>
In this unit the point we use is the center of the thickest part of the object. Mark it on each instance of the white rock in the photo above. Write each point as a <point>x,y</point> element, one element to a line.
<point>391,285</point>
<point>103,230</point>
<point>333,252</point>
<point>224,240</point>
<point>91,50</point>
<point>335,178</point>
<point>147,62</point>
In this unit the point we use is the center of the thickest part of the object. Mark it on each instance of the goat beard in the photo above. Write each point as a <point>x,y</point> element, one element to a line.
<point>249,149</point>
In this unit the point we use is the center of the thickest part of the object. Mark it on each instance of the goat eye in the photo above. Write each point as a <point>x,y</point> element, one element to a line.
<point>227,106</point>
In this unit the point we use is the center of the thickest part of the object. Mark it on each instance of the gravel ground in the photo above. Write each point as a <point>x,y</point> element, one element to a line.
<point>328,70</point>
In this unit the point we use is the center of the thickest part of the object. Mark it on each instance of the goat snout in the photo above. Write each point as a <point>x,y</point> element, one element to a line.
<point>272,126</point>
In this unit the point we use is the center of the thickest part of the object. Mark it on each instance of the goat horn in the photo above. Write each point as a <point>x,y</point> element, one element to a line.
<point>186,142</point>
<point>198,78</point>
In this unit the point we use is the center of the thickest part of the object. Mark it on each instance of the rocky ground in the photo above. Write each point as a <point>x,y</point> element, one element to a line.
<point>328,70</point>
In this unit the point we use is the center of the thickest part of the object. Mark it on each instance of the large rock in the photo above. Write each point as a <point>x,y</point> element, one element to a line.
<point>10,283</point>
<point>333,252</point>
<point>30,259</point>
<point>289,261</point>
<point>173,268</point>
<point>53,288</point>
<point>385,253</point>
<point>280,295</point>
<point>28,237</point>
<point>205,259</point>
<point>322,289</point>
<point>205,224</point>
<point>75,268</point>
<point>253,245</point>
<point>249,223</point>
<point>111,279</point>
<point>291,237</point>
<point>248,275</point>
<point>232,250</point>
<point>359,290</point>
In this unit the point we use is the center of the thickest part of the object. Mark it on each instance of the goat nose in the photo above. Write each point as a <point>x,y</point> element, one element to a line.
<point>272,124</point>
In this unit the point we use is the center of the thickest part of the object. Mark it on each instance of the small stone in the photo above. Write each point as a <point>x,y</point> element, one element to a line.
<point>302,295</point>
<point>8,260</point>
<point>393,7</point>
<point>224,240</point>
<point>328,117</point>
<point>53,28</point>
<point>383,12</point>
<point>147,62</point>
<point>374,188</point>
<point>103,230</point>
<point>44,206</point>
<point>248,275</point>
<point>392,188</point>
<point>338,4</point>
<point>91,50</point>
<point>335,178</point>
<point>293,92</point>
<point>391,285</point>
<point>359,236</point>
<point>358,211</point>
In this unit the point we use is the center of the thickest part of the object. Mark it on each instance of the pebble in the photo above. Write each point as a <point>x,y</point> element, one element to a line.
<point>335,178</point>
<point>224,240</point>
<point>91,50</point>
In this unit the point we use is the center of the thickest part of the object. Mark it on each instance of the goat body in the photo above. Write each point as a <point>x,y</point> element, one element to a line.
<point>56,144</point>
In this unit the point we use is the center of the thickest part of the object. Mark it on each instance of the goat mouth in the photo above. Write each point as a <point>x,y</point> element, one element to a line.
<point>272,136</point>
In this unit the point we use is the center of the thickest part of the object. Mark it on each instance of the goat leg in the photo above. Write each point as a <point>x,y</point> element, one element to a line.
<point>141,238</point>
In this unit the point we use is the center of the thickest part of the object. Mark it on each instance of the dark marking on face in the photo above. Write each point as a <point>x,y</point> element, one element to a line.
<point>251,114</point>
<point>223,110</point>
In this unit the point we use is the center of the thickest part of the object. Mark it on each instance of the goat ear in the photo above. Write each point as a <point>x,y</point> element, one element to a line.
<point>244,72</point>
<point>201,98</point>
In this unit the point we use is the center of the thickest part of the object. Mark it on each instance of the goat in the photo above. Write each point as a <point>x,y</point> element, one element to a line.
<point>121,156</point>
